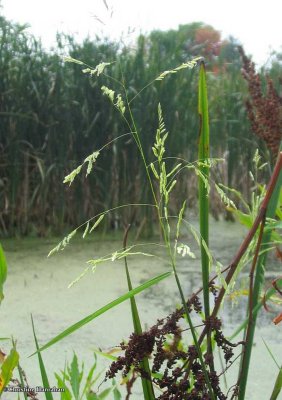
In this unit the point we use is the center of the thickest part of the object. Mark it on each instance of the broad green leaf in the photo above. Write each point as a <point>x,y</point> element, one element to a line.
<point>89,381</point>
<point>7,368</point>
<point>105,393</point>
<point>244,219</point>
<point>116,393</point>
<point>75,377</point>
<point>102,310</point>
<point>66,395</point>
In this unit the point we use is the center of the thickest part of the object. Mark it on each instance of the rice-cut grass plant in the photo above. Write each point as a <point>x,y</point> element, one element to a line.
<point>175,357</point>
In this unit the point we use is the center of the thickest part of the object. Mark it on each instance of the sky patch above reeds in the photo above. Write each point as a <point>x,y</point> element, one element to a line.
<point>254,24</point>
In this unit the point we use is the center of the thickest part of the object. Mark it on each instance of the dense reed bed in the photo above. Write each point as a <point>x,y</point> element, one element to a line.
<point>176,357</point>
<point>135,169</point>
<point>52,116</point>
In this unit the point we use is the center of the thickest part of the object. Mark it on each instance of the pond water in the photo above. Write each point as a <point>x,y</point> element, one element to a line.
<point>37,285</point>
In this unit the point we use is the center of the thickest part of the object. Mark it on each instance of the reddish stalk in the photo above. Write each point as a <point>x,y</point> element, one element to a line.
<point>245,244</point>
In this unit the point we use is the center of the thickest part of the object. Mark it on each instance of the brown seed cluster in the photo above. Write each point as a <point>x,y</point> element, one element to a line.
<point>176,369</point>
<point>264,111</point>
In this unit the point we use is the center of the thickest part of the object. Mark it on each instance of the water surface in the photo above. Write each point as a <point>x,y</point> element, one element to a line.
<point>37,285</point>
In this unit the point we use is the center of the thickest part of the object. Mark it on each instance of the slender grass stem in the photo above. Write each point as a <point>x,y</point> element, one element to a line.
<point>147,386</point>
<point>165,229</point>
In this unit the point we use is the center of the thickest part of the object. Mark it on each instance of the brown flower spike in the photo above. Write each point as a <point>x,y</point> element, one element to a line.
<point>264,111</point>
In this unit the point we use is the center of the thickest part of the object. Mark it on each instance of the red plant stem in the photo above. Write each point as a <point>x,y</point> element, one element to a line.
<point>245,244</point>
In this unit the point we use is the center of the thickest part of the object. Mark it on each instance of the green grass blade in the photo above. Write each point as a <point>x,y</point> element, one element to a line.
<point>7,368</point>
<point>203,155</point>
<point>66,394</point>
<point>45,382</point>
<point>271,353</point>
<point>75,377</point>
<point>102,310</point>
<point>277,386</point>
<point>116,393</point>
<point>203,192</point>
<point>147,386</point>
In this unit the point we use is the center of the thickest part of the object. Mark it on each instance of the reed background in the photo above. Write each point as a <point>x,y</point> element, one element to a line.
<point>52,117</point>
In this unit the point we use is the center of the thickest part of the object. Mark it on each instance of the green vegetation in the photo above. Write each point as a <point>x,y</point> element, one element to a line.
<point>180,368</point>
<point>108,108</point>
<point>10,362</point>
<point>52,116</point>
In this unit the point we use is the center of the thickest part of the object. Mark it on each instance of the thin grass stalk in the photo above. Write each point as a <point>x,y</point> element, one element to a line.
<point>203,151</point>
<point>147,386</point>
<point>166,237</point>
<point>22,380</point>
<point>259,278</point>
